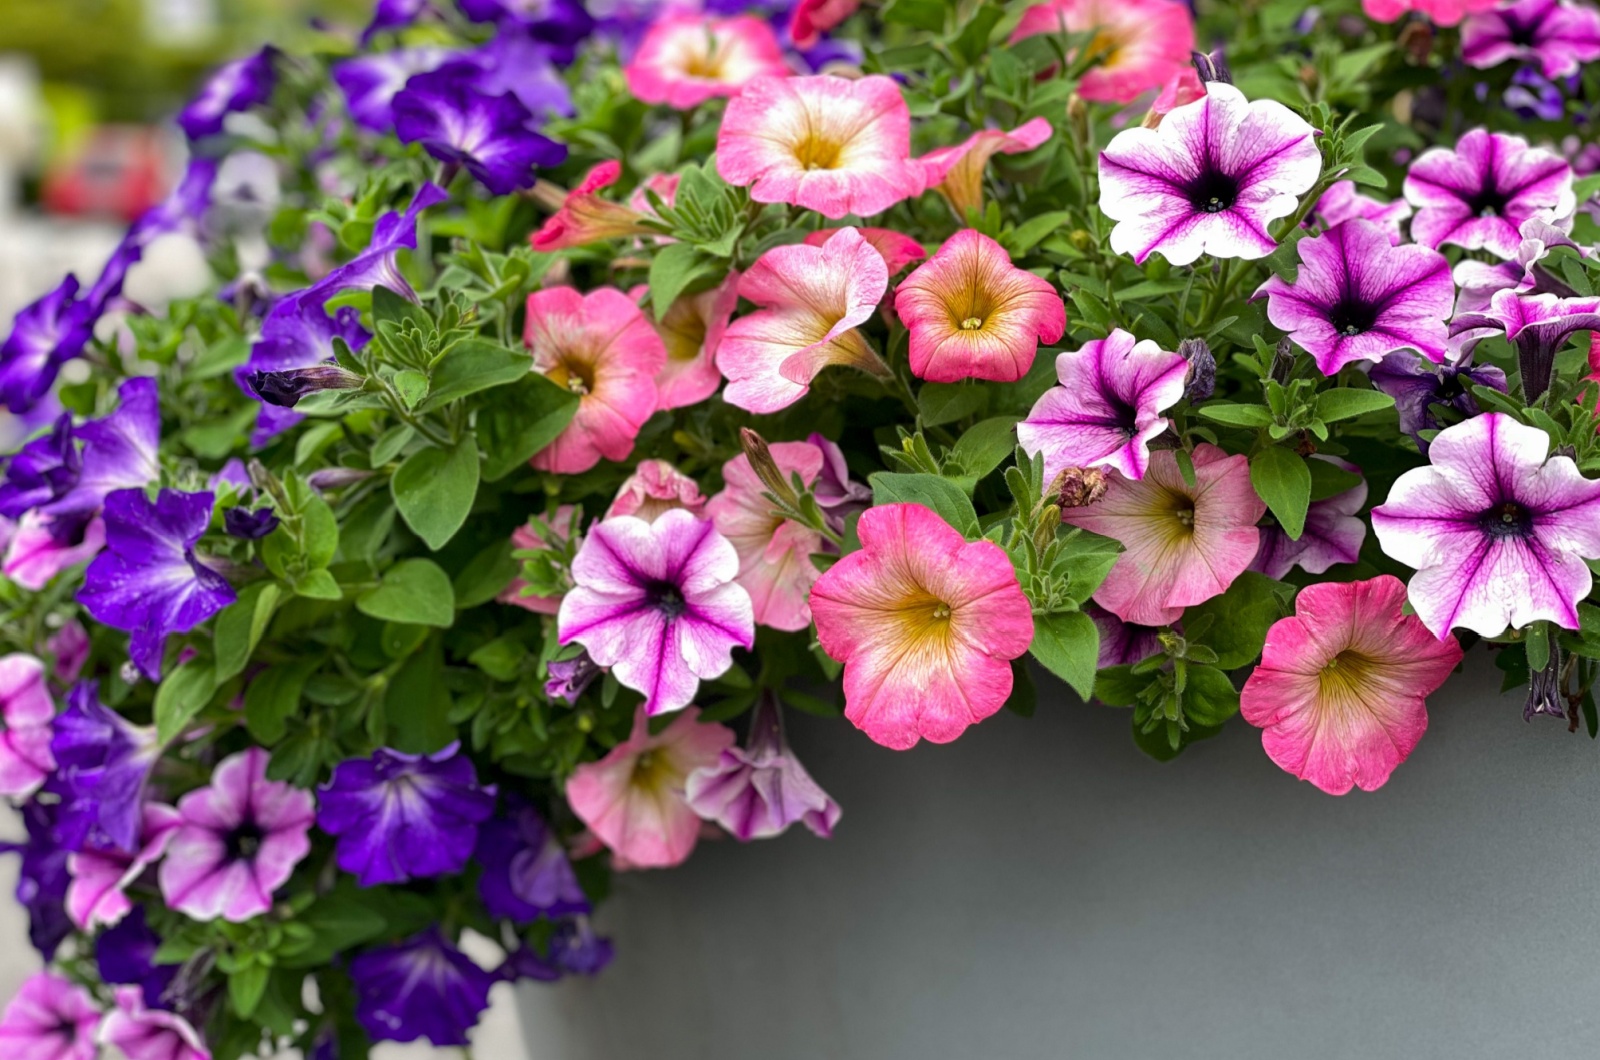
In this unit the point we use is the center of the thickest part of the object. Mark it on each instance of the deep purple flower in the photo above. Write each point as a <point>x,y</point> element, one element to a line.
<point>569,677</point>
<point>1478,195</point>
<point>491,136</point>
<point>1332,534</point>
<point>45,335</point>
<point>125,955</point>
<point>234,86</point>
<point>297,333</point>
<point>421,988</point>
<point>1122,643</point>
<point>392,14</point>
<point>1558,35</point>
<point>575,948</point>
<point>103,765</point>
<point>524,962</point>
<point>400,816</point>
<point>285,389</point>
<point>1417,386</point>
<point>1538,325</point>
<point>249,525</point>
<point>43,471</point>
<point>560,23</point>
<point>376,266</point>
<point>526,873</point>
<point>148,581</point>
<point>370,82</point>
<point>42,878</point>
<point>235,474</point>
<point>1531,95</point>
<point>757,791</point>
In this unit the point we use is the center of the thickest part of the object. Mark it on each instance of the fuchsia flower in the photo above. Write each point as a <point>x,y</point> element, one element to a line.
<point>957,172</point>
<point>1496,532</point>
<point>51,1018</point>
<point>1184,544</point>
<point>28,711</point>
<point>526,537</point>
<point>691,330</point>
<point>686,59</point>
<point>1137,44</point>
<point>601,347</point>
<point>810,19</point>
<point>1339,692</point>
<point>896,249</point>
<point>585,217</point>
<point>1558,35</point>
<point>1538,325</point>
<point>633,798</point>
<point>1444,12</point>
<point>1524,273</point>
<point>974,315</point>
<point>812,301</point>
<point>1106,410</point>
<point>775,565</point>
<point>657,603</point>
<point>829,144</point>
<point>100,875</point>
<point>1478,195</point>
<point>926,624</point>
<point>757,791</point>
<point>150,1033</point>
<point>656,487</point>
<point>1332,534</point>
<point>239,841</point>
<point>1358,297</point>
<point>1342,202</point>
<point>1209,179</point>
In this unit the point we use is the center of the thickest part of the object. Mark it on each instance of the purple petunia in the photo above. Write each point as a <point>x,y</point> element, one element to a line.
<point>370,82</point>
<point>516,61</point>
<point>1538,325</point>
<point>125,956</point>
<point>297,333</point>
<point>234,86</point>
<point>1417,386</point>
<point>46,335</point>
<point>421,988</point>
<point>1479,195</point>
<point>577,950</point>
<point>1332,534</point>
<point>569,677</point>
<point>400,816</point>
<point>1558,35</point>
<point>392,14</point>
<point>1358,297</point>
<point>103,765</point>
<point>41,472</point>
<point>249,525</point>
<point>1122,643</point>
<point>757,791</point>
<point>561,24</point>
<point>42,878</point>
<point>526,873</point>
<point>377,265</point>
<point>461,125</point>
<point>1524,273</point>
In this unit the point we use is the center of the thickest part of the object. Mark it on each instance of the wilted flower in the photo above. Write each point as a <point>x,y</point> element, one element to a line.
<point>569,677</point>
<point>656,487</point>
<point>1134,45</point>
<point>577,950</point>
<point>757,791</point>
<point>1538,325</point>
<point>687,58</point>
<point>1200,382</point>
<point>248,525</point>
<point>297,334</point>
<point>774,553</point>
<point>1417,386</point>
<point>124,955</point>
<point>1478,195</point>
<point>1122,643</point>
<point>1079,487</point>
<point>285,389</point>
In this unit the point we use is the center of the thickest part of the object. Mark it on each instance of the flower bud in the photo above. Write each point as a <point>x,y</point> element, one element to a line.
<point>249,525</point>
<point>1212,66</point>
<point>285,389</point>
<point>1201,382</point>
<point>1078,487</point>
<point>1544,689</point>
<point>766,468</point>
<point>1283,361</point>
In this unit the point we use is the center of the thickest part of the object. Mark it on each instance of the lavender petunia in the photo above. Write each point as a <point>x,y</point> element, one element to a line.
<point>460,124</point>
<point>1417,386</point>
<point>526,873</point>
<point>569,677</point>
<point>1332,534</point>
<point>1497,533</point>
<point>1122,643</point>
<point>42,878</point>
<point>370,82</point>
<point>757,791</point>
<point>1358,297</point>
<point>45,335</point>
<point>377,266</point>
<point>516,61</point>
<point>421,988</point>
<point>1557,34</point>
<point>103,768</point>
<point>1538,325</point>
<point>235,86</point>
<point>401,816</point>
<point>1531,95</point>
<point>1479,195</point>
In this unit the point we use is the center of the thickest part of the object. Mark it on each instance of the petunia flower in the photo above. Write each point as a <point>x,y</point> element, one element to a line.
<point>576,950</point>
<point>234,86</point>
<point>69,646</point>
<point>1478,195</point>
<point>812,301</point>
<point>687,58</point>
<point>240,840</point>
<point>42,471</point>
<point>421,988</point>
<point>370,82</point>
<point>1122,643</point>
<point>36,553</point>
<point>633,799</point>
<point>1524,273</point>
<point>1332,534</point>
<point>248,525</point>
<point>826,143</point>
<point>1444,12</point>
<point>531,537</point>
<point>377,265</point>
<point>526,873</point>
<point>401,817</point>
<point>656,487</point>
<point>1417,386</point>
<point>757,791</point>
<point>297,333</point>
<point>897,249</point>
<point>657,603</point>
<point>774,554</point>
<point>50,1018</point>
<point>516,60</point>
<point>124,955</point>
<point>585,217</point>
<point>1537,325</point>
<point>101,875</point>
<point>1134,45</point>
<point>45,335</point>
<point>1342,202</point>
<point>458,123</point>
<point>103,768</point>
<point>392,14</point>
<point>1496,532</point>
<point>1340,691</point>
<point>1107,408</point>
<point>1183,544</point>
<point>1209,179</point>
<point>569,677</point>
<point>42,878</point>
<point>1558,35</point>
<point>602,348</point>
<point>1358,297</point>
<point>835,493</point>
<point>27,710</point>
<point>691,330</point>
<point>142,1033</point>
<point>974,315</point>
<point>957,172</point>
<point>809,20</point>
<point>926,624</point>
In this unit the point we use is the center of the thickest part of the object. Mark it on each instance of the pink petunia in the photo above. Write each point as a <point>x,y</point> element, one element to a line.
<point>926,624</point>
<point>1342,202</point>
<point>529,537</point>
<point>826,143</point>
<point>142,1033</point>
<point>957,172</point>
<point>34,556</point>
<point>656,487</point>
<point>601,347</point>
<point>898,250</point>
<point>27,710</point>
<point>585,216</point>
<point>810,19</point>
<point>1182,87</point>
<point>691,330</point>
<point>775,565</point>
<point>101,875</point>
<point>1135,45</point>
<point>50,1018</point>
<point>1184,544</point>
<point>686,58</point>
<point>1479,195</point>
<point>1443,12</point>
<point>1339,693</point>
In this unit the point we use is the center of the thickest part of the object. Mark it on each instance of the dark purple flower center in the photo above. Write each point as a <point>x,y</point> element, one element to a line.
<point>1523,34</point>
<point>665,597</point>
<point>1488,201</point>
<point>1124,416</point>
<point>244,841</point>
<point>1507,519</point>
<point>1212,191</point>
<point>1353,316</point>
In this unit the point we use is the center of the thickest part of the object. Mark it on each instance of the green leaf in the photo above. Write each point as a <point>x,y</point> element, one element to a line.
<point>1240,618</point>
<point>1345,403</point>
<point>1068,645</point>
<point>416,591</point>
<point>1329,479</point>
<point>940,494</point>
<point>517,421</point>
<point>273,697</point>
<point>1537,644</point>
<point>940,403</point>
<point>1209,698</point>
<point>489,572</point>
<point>1237,415</point>
<point>411,385</point>
<point>318,585</point>
<point>434,490</point>
<point>1119,686</point>
<point>472,366</point>
<point>320,531</point>
<point>183,694</point>
<point>418,704</point>
<point>1084,562</point>
<point>389,307</point>
<point>986,444</point>
<point>246,987</point>
<point>674,268</point>
<point>340,920</point>
<point>1026,235</point>
<point>240,626</point>
<point>924,14</point>
<point>1281,478</point>
<point>391,442</point>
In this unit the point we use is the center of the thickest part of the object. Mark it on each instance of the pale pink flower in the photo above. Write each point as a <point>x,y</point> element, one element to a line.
<point>528,537</point>
<point>774,554</point>
<point>50,1018</point>
<point>810,19</point>
<point>150,1033</point>
<point>1444,12</point>
<point>100,875</point>
<point>1137,45</point>
<point>686,58</point>
<point>957,172</point>
<point>27,710</point>
<point>898,250</point>
<point>691,330</point>
<point>656,487</point>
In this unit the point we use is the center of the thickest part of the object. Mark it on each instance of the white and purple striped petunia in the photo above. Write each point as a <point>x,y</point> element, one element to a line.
<point>1479,195</point>
<point>1538,325</point>
<point>1558,35</point>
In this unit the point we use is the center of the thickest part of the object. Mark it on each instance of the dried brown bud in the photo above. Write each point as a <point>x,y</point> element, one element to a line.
<point>766,468</point>
<point>1416,41</point>
<point>1078,487</point>
<point>1078,118</point>
<point>1201,382</point>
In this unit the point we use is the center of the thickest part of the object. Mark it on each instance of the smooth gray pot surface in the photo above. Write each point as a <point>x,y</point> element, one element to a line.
<point>1040,889</point>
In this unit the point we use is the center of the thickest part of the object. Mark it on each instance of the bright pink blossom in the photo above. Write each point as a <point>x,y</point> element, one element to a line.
<point>1559,35</point>
<point>1479,195</point>
<point>27,710</point>
<point>957,172</point>
<point>150,1033</point>
<point>775,565</point>
<point>898,250</point>
<point>686,59</point>
<point>34,556</point>
<point>1444,12</point>
<point>1342,202</point>
<point>691,330</point>
<point>810,19</point>
<point>51,1018</point>
<point>655,487</point>
<point>1136,45</point>
<point>95,897</point>
<point>586,217</point>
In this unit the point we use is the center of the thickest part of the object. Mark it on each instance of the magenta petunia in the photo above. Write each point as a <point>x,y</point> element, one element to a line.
<point>142,1033</point>
<point>1133,46</point>
<point>1559,35</point>
<point>775,565</point>
<point>757,791</point>
<point>957,172</point>
<point>1524,272</point>
<point>101,875</point>
<point>656,487</point>
<point>1537,325</point>
<point>1333,533</point>
<point>810,19</point>
<point>1444,12</point>
<point>50,1018</point>
<point>1478,195</point>
<point>27,711</point>
<point>686,58</point>
<point>1342,202</point>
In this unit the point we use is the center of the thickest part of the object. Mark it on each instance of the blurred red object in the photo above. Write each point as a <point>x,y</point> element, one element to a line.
<point>119,172</point>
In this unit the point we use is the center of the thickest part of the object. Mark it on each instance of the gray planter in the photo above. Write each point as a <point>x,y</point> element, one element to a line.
<point>1040,889</point>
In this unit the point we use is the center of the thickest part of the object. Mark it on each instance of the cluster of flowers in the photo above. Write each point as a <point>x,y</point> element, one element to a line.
<point>561,406</point>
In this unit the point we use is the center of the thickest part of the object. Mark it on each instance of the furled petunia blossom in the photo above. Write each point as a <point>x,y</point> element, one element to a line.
<point>691,330</point>
<point>1183,545</point>
<point>1444,12</point>
<point>1478,195</point>
<point>974,315</point>
<point>45,335</point>
<point>569,677</point>
<point>50,1018</point>
<point>1107,408</point>
<point>1342,202</point>
<point>657,603</point>
<point>370,82</point>
<point>957,172</point>
<point>1496,532</point>
<point>240,840</point>
<point>27,711</point>
<point>526,873</point>
<point>810,19</point>
<point>141,1033</point>
<point>586,217</point>
<point>687,58</point>
<point>1340,691</point>
<point>1557,34</point>
<point>103,765</point>
<point>757,791</point>
<point>835,493</point>
<point>377,266</point>
<point>774,554</point>
<point>402,817</point>
<point>1209,180</point>
<point>602,348</point>
<point>813,300</point>
<point>656,487</point>
<point>826,143</point>
<point>101,875</point>
<point>897,249</point>
<point>1537,325</point>
<point>1122,643</point>
<point>234,86</point>
<point>1358,297</point>
<point>1134,45</point>
<point>926,624</point>
<point>296,333</point>
<point>633,798</point>
<point>421,988</point>
<point>455,121</point>
<point>1332,534</point>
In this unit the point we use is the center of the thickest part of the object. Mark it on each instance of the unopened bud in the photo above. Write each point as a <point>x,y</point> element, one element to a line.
<point>1545,694</point>
<point>1212,66</point>
<point>766,468</point>
<point>1078,118</point>
<point>285,389</point>
<point>1283,361</point>
<point>1078,487</point>
<point>332,478</point>
<point>1201,382</point>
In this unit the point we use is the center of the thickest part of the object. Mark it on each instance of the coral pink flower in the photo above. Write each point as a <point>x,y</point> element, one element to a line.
<point>1339,693</point>
<point>957,172</point>
<point>600,346</point>
<point>926,624</point>
<point>812,300</point>
<point>51,1018</point>
<point>1444,12</point>
<point>810,19</point>
<point>633,798</point>
<point>1184,544</point>
<point>527,537</point>
<point>585,217</point>
<point>974,315</point>
<point>897,250</point>
<point>691,330</point>
<point>656,487</point>
<point>686,59</point>
<point>27,710</point>
<point>829,144</point>
<point>774,554</point>
<point>150,1033</point>
<point>101,875</point>
<point>1137,44</point>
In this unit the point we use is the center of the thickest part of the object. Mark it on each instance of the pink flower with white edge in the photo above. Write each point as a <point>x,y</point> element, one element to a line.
<point>50,1018</point>
<point>27,710</point>
<point>633,798</point>
<point>1443,12</point>
<point>34,556</point>
<point>691,330</point>
<point>812,301</point>
<point>1340,691</point>
<point>552,533</point>
<point>142,1033</point>
<point>775,565</point>
<point>897,250</point>
<point>974,315</point>
<point>656,487</point>
<point>602,348</point>
<point>1183,544</point>
<point>810,19</point>
<point>585,216</point>
<point>926,624</point>
<point>957,172</point>
<point>1557,34</point>
<point>1479,195</point>
<point>686,59</point>
<point>1135,45</point>
<point>240,840</point>
<point>1342,202</point>
<point>1107,408</point>
<point>826,143</point>
<point>100,876</point>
